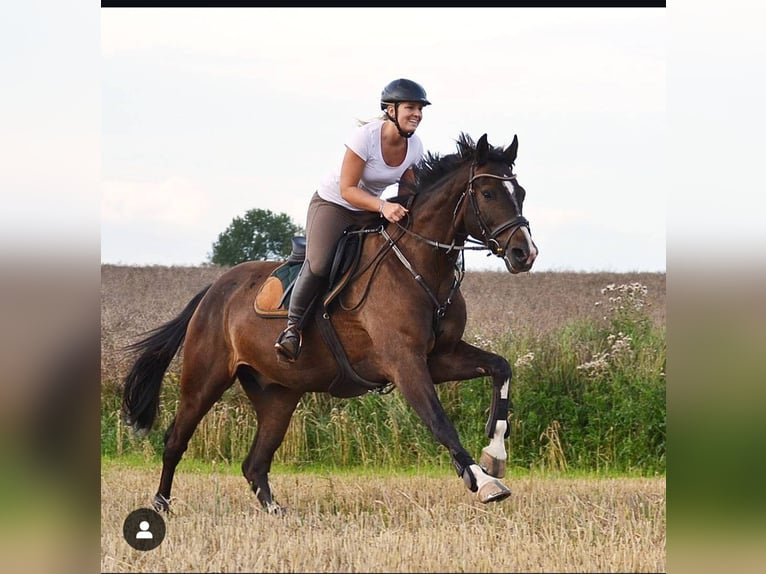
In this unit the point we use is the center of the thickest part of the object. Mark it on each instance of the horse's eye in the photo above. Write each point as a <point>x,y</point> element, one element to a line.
<point>487,194</point>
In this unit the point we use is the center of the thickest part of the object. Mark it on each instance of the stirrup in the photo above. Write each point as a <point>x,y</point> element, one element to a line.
<point>288,353</point>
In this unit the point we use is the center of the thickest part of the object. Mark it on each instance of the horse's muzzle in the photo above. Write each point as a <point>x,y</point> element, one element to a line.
<point>519,261</point>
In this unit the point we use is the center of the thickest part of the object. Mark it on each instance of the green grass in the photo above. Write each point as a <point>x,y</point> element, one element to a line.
<point>196,466</point>
<point>586,398</point>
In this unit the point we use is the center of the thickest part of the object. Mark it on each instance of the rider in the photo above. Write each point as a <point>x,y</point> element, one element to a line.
<point>378,154</point>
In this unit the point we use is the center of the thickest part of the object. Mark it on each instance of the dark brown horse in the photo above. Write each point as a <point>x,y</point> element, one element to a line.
<point>405,326</point>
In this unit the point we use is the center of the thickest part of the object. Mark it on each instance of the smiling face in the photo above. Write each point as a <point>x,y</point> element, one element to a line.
<point>409,114</point>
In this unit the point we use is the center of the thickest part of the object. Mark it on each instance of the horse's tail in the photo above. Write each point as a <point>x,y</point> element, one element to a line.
<point>141,391</point>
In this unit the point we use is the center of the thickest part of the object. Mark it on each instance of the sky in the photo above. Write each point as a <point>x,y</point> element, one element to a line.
<point>208,113</point>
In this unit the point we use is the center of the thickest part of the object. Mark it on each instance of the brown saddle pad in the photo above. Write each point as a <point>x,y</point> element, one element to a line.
<point>273,298</point>
<point>270,301</point>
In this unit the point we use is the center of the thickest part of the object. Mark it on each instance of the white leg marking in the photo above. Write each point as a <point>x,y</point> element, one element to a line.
<point>496,447</point>
<point>504,389</point>
<point>482,477</point>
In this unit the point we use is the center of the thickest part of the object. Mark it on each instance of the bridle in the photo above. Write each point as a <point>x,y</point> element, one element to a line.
<point>489,235</point>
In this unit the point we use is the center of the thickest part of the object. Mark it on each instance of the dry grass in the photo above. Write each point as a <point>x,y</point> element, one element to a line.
<point>136,299</point>
<point>344,523</point>
<point>535,304</point>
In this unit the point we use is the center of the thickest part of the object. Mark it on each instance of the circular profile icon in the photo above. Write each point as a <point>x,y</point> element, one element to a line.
<point>144,529</point>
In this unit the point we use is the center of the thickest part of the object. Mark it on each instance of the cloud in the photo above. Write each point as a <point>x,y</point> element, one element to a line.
<point>176,201</point>
<point>253,105</point>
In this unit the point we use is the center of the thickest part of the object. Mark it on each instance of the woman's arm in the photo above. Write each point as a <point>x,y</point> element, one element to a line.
<point>350,173</point>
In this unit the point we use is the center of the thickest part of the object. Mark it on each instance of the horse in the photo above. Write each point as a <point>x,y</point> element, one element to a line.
<point>405,332</point>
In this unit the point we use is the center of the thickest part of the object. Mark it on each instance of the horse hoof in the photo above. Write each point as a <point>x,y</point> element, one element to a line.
<point>493,491</point>
<point>274,509</point>
<point>491,465</point>
<point>161,504</point>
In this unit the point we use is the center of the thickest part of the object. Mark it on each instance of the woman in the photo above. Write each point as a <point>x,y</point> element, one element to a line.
<point>378,154</point>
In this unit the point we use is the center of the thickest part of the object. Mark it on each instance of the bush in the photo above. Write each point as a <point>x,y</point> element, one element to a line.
<point>588,396</point>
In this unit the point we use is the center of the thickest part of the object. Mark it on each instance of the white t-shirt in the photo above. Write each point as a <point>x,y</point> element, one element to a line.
<point>364,141</point>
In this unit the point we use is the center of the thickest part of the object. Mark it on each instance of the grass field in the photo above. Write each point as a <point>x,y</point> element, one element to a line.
<point>137,299</point>
<point>343,522</point>
<point>381,521</point>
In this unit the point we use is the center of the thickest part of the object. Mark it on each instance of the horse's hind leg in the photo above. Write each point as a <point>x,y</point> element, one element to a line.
<point>199,392</point>
<point>274,406</point>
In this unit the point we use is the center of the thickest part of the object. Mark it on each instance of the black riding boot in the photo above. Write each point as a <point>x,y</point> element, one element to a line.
<point>305,291</point>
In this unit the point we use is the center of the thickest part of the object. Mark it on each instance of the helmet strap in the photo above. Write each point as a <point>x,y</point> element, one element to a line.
<point>395,119</point>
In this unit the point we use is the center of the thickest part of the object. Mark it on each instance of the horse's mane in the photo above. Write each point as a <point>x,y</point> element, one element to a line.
<point>433,167</point>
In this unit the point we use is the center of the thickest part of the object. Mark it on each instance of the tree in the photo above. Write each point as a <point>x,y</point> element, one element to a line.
<point>260,234</point>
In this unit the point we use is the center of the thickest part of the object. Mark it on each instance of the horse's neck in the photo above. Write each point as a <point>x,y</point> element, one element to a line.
<point>435,218</point>
<point>434,221</point>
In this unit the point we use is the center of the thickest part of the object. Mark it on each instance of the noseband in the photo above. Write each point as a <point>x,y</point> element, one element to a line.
<point>490,241</point>
<point>490,235</point>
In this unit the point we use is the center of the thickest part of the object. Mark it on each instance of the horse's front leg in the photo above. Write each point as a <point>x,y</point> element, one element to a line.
<point>467,362</point>
<point>417,387</point>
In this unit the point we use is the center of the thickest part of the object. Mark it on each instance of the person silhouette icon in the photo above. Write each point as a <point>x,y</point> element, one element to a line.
<point>144,529</point>
<point>144,533</point>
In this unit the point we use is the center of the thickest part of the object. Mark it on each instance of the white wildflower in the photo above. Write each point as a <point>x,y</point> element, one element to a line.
<point>595,367</point>
<point>525,360</point>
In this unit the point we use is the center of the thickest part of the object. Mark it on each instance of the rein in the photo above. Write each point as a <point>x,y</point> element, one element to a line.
<point>441,308</point>
<point>490,242</point>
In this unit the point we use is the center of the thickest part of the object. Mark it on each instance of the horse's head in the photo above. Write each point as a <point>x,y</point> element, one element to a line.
<point>485,202</point>
<point>493,202</point>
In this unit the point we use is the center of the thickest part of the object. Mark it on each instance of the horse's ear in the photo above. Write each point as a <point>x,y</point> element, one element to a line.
<point>511,150</point>
<point>482,150</point>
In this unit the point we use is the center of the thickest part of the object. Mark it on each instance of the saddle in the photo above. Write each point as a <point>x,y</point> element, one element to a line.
<point>273,298</point>
<point>273,301</point>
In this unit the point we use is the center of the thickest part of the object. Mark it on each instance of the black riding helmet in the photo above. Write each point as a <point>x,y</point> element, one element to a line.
<point>402,90</point>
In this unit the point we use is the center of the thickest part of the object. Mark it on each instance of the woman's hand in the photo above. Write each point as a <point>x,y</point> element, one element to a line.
<point>393,212</point>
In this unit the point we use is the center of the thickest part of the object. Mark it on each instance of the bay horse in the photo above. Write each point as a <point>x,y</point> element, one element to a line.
<point>407,333</point>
